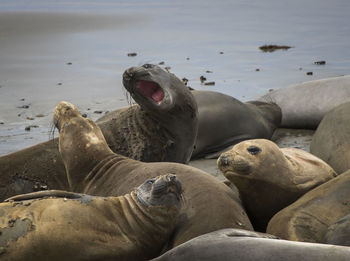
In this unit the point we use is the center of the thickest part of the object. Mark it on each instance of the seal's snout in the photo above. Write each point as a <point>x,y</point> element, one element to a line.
<point>223,161</point>
<point>171,177</point>
<point>64,111</point>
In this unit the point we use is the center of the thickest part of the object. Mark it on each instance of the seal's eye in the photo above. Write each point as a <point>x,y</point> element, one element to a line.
<point>151,181</point>
<point>147,66</point>
<point>254,150</point>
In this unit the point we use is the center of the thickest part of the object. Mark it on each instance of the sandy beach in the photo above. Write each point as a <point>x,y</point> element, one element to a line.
<point>77,52</point>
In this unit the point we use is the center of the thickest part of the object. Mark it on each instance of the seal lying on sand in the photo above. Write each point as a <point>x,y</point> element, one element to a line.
<point>161,127</point>
<point>308,218</point>
<point>331,141</point>
<point>71,226</point>
<point>235,244</point>
<point>304,105</point>
<point>339,232</point>
<point>93,168</point>
<point>225,121</point>
<point>270,178</point>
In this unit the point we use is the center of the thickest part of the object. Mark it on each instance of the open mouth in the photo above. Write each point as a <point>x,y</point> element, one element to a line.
<point>151,90</point>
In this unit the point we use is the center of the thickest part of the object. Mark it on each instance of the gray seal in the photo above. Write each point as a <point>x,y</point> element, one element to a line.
<point>304,105</point>
<point>60,225</point>
<point>234,244</point>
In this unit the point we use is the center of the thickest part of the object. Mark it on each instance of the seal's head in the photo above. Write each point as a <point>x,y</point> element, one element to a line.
<point>251,159</point>
<point>163,190</point>
<point>153,87</point>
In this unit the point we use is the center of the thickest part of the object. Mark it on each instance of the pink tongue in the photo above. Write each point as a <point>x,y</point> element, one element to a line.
<point>158,95</point>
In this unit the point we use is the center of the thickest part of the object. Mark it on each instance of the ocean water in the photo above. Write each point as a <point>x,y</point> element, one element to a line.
<point>77,51</point>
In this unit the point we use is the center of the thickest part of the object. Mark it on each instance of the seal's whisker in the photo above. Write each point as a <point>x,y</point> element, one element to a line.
<point>52,131</point>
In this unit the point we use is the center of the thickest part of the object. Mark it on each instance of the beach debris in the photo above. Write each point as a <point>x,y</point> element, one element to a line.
<point>187,58</point>
<point>30,126</point>
<point>320,62</point>
<point>132,54</point>
<point>30,118</point>
<point>59,83</point>
<point>22,99</point>
<point>184,80</point>
<point>309,73</point>
<point>161,63</point>
<point>84,115</point>
<point>221,52</point>
<point>98,112</point>
<point>208,71</point>
<point>1,123</point>
<point>257,70</point>
<point>26,106</point>
<point>202,79</point>
<point>209,83</point>
<point>69,63</point>
<point>40,115</point>
<point>271,90</point>
<point>167,68</point>
<point>272,47</point>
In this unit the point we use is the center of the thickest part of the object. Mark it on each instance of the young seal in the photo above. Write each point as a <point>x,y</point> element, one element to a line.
<point>304,105</point>
<point>235,244</point>
<point>309,218</point>
<point>264,173</point>
<point>93,168</point>
<point>161,127</point>
<point>331,141</point>
<point>339,232</point>
<point>60,225</point>
<point>225,121</point>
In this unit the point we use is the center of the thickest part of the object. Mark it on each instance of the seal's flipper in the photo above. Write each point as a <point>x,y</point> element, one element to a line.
<point>46,194</point>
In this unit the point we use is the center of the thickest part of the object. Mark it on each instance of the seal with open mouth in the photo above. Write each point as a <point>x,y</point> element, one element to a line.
<point>60,225</point>
<point>161,127</point>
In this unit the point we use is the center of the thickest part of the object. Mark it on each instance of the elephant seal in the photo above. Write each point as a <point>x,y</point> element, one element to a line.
<point>94,169</point>
<point>339,232</point>
<point>308,218</point>
<point>60,225</point>
<point>225,121</point>
<point>304,105</point>
<point>331,141</point>
<point>263,172</point>
<point>235,244</point>
<point>161,127</point>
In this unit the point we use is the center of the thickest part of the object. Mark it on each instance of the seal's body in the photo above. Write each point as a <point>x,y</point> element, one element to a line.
<point>264,173</point>
<point>59,225</point>
<point>235,244</point>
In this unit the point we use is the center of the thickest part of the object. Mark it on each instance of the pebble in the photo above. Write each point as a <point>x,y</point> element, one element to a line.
<point>309,73</point>
<point>320,62</point>
<point>209,83</point>
<point>132,54</point>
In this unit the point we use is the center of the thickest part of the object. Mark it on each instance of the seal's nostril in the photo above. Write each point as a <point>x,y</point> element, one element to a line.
<point>171,177</point>
<point>224,161</point>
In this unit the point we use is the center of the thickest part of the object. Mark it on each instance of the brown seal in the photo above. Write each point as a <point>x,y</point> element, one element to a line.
<point>339,232</point>
<point>270,178</point>
<point>309,218</point>
<point>94,169</point>
<point>60,225</point>
<point>161,127</point>
<point>331,139</point>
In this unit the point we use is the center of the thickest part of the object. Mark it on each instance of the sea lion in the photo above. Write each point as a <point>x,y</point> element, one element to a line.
<point>235,244</point>
<point>161,127</point>
<point>331,141</point>
<point>304,105</point>
<point>263,173</point>
<point>225,121</point>
<point>339,232</point>
<point>71,226</point>
<point>308,218</point>
<point>94,169</point>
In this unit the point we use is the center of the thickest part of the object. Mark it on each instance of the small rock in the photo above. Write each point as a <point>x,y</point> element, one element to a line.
<point>1,123</point>
<point>208,71</point>
<point>98,112</point>
<point>84,115</point>
<point>209,83</point>
<point>30,118</point>
<point>184,80</point>
<point>161,63</point>
<point>30,126</point>
<point>22,99</point>
<point>132,54</point>
<point>221,52</point>
<point>202,79</point>
<point>309,73</point>
<point>167,68</point>
<point>320,62</point>
<point>272,47</point>
<point>69,63</point>
<point>271,90</point>
<point>257,70</point>
<point>59,83</point>
<point>24,106</point>
<point>187,58</point>
<point>300,68</point>
<point>40,115</point>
